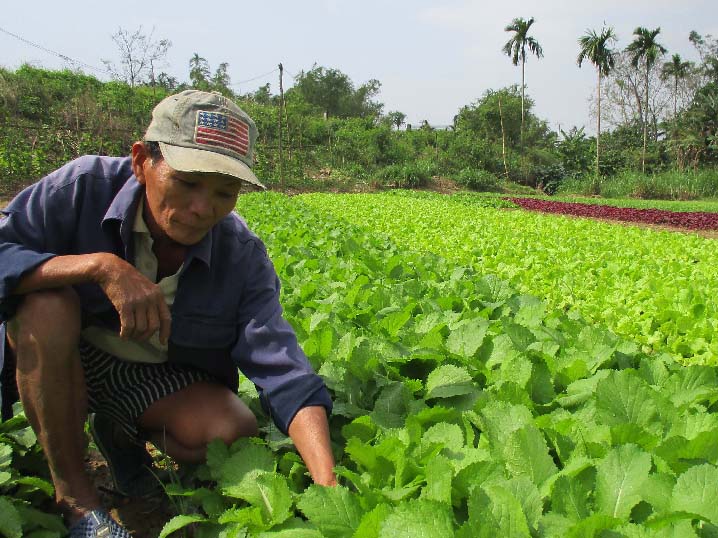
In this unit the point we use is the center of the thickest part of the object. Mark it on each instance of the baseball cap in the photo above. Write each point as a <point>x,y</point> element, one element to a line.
<point>204,132</point>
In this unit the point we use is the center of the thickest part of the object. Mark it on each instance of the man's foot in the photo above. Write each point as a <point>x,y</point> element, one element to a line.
<point>97,524</point>
<point>129,464</point>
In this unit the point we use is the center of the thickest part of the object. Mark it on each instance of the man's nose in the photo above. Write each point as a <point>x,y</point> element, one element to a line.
<point>201,205</point>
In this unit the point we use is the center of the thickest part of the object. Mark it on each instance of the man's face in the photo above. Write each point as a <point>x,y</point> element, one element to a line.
<point>182,206</point>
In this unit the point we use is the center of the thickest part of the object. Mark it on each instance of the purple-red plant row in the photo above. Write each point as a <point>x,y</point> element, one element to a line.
<point>688,220</point>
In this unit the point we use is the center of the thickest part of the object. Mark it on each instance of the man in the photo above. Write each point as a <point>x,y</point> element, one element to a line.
<point>131,289</point>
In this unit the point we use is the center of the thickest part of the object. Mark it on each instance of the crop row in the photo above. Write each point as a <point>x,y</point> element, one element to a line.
<point>462,408</point>
<point>709,206</point>
<point>694,220</point>
<point>654,287</point>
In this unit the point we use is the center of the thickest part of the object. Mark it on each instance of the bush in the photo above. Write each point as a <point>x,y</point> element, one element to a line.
<point>478,179</point>
<point>404,175</point>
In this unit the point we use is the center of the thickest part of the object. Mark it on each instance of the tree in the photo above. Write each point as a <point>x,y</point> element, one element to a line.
<point>597,48</point>
<point>644,48</point>
<point>221,80</point>
<point>199,72</point>
<point>396,118</point>
<point>167,82</point>
<point>707,48</point>
<point>263,95</point>
<point>139,55</point>
<point>515,48</point>
<point>334,94</point>
<point>678,69</point>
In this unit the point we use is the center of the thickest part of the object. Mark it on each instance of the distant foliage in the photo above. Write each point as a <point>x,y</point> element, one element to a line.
<point>333,134</point>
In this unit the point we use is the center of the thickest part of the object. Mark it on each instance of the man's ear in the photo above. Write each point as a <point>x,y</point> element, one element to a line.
<point>140,159</point>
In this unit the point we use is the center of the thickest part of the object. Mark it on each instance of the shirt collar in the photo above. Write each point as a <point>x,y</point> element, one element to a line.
<point>123,209</point>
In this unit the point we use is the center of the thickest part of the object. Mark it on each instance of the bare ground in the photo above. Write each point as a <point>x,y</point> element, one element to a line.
<point>141,518</point>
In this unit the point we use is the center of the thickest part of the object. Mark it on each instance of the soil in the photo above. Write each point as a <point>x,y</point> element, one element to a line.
<point>143,519</point>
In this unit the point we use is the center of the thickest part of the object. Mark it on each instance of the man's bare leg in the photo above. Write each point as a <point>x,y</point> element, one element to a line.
<point>183,423</point>
<point>44,336</point>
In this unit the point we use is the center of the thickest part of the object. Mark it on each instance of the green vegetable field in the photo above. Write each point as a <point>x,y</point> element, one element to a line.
<point>494,372</point>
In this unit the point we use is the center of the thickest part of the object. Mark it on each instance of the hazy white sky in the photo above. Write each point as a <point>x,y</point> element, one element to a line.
<point>432,57</point>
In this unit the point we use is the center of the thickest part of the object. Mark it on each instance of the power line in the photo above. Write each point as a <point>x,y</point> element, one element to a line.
<point>50,51</point>
<point>257,77</point>
<point>83,64</point>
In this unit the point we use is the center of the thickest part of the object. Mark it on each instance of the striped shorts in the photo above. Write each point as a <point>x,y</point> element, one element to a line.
<point>123,390</point>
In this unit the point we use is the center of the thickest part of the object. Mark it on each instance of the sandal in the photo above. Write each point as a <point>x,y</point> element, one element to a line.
<point>98,524</point>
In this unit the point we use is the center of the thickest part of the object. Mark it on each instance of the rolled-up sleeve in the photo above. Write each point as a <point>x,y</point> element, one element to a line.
<point>267,351</point>
<point>29,235</point>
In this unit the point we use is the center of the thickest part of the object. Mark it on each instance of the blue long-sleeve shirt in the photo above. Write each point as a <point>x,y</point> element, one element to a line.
<point>226,313</point>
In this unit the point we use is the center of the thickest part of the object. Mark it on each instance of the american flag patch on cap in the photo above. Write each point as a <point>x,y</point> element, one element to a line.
<point>222,131</point>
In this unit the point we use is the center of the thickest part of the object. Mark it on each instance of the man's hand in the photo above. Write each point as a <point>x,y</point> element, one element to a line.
<point>310,432</point>
<point>139,301</point>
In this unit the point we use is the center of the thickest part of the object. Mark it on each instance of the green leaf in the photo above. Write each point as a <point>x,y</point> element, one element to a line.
<point>10,522</point>
<point>335,511</point>
<point>692,384</point>
<point>34,483</point>
<point>448,435</point>
<point>619,480</point>
<point>217,454</point>
<point>623,397</point>
<point>570,496</point>
<point>658,491</point>
<point>526,454</point>
<point>248,459</point>
<point>495,511</point>
<point>40,519</point>
<point>447,381</point>
<point>592,526</point>
<point>5,455</point>
<point>696,491</point>
<point>500,419</point>
<point>292,533</point>
<point>528,495</point>
<point>419,519</point>
<point>439,473</point>
<point>371,522</point>
<point>180,522</point>
<point>466,338</point>
<point>520,336</point>
<point>270,493</point>
<point>392,406</point>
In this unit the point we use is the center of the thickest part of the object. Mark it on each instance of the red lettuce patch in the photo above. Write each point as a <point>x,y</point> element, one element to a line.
<point>697,220</point>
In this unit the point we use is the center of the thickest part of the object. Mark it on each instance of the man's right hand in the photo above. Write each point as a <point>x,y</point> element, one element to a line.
<point>139,301</point>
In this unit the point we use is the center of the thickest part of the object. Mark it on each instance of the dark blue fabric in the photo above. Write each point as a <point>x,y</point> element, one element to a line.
<point>227,301</point>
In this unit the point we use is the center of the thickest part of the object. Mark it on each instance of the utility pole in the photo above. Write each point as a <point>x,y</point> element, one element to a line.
<point>279,122</point>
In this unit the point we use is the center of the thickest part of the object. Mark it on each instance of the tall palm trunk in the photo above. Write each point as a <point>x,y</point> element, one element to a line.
<point>598,130</point>
<point>523,86</point>
<point>645,126</point>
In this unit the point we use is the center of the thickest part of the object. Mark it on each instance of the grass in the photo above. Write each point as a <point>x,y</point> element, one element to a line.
<point>669,185</point>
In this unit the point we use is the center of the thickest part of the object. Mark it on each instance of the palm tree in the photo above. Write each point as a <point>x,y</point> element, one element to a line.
<point>515,48</point>
<point>645,47</point>
<point>678,69</point>
<point>596,48</point>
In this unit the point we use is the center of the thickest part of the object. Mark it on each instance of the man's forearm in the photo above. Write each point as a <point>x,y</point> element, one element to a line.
<point>62,271</point>
<point>310,432</point>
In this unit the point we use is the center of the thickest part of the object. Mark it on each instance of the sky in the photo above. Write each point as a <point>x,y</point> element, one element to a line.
<point>432,57</point>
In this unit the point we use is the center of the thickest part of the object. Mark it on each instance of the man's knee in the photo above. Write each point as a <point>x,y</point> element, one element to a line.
<point>227,418</point>
<point>47,317</point>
